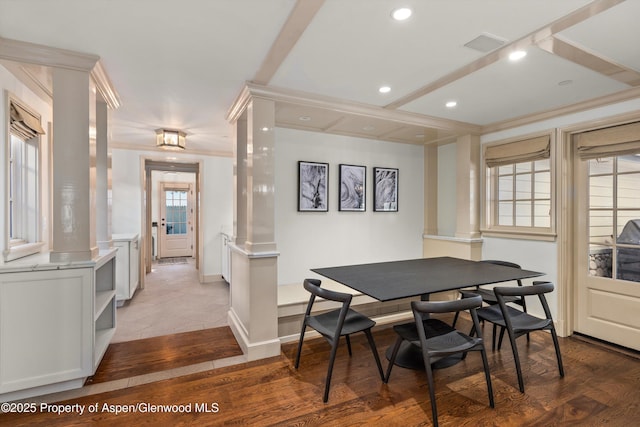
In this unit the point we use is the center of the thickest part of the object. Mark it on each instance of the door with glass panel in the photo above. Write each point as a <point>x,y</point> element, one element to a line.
<point>175,230</point>
<point>608,255</point>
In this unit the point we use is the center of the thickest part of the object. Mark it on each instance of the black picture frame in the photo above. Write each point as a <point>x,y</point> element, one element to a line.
<point>353,188</point>
<point>385,189</point>
<point>313,186</point>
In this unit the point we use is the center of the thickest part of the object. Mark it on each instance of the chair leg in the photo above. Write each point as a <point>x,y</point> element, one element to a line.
<point>374,350</point>
<point>332,359</point>
<point>493,339</point>
<point>556,344</point>
<point>516,359</point>
<point>392,360</point>
<point>304,326</point>
<point>485,363</point>
<point>455,319</point>
<point>432,392</point>
<point>501,337</point>
<point>348,344</point>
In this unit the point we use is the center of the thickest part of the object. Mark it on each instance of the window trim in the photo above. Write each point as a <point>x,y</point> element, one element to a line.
<point>19,248</point>
<point>488,182</point>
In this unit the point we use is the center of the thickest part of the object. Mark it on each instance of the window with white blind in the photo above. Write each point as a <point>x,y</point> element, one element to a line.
<point>518,188</point>
<point>23,196</point>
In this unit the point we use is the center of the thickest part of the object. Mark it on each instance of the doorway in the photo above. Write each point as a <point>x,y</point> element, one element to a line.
<point>608,248</point>
<point>175,222</point>
<point>180,177</point>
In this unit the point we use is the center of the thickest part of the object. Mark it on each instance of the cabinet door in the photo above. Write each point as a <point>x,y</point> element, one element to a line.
<point>122,270</point>
<point>134,270</point>
<point>46,337</point>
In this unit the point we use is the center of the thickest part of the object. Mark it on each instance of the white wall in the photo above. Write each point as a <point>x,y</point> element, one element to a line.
<point>9,83</point>
<point>321,239</point>
<point>216,199</point>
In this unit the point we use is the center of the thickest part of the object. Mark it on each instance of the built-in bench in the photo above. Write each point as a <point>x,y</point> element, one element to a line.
<point>293,300</point>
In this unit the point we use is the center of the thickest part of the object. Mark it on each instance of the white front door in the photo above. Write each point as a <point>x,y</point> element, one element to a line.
<point>176,225</point>
<point>608,252</point>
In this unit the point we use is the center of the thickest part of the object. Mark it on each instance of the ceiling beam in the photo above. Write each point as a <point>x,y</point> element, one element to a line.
<point>301,16</point>
<point>591,60</point>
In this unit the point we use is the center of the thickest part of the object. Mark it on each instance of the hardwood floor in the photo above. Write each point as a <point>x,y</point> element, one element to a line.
<point>601,387</point>
<point>149,355</point>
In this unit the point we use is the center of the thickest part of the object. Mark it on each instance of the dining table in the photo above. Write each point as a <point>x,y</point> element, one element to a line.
<point>421,277</point>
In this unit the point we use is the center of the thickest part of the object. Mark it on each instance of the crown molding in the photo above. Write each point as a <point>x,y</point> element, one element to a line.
<point>19,51</point>
<point>253,90</point>
<point>603,101</point>
<point>104,86</point>
<point>183,153</point>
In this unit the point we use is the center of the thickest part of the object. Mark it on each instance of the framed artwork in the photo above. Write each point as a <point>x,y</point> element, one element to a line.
<point>385,190</point>
<point>353,180</point>
<point>313,188</point>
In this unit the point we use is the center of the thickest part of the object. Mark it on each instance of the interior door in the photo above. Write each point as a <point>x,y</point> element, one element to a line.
<point>608,255</point>
<point>175,231</point>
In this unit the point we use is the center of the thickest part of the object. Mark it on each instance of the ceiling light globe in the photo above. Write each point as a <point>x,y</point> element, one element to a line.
<point>517,55</point>
<point>401,13</point>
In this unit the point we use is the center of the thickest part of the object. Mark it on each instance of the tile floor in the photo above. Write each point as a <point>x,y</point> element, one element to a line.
<point>172,301</point>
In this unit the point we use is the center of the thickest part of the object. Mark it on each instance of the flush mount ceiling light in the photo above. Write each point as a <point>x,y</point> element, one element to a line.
<point>170,139</point>
<point>304,118</point>
<point>517,55</point>
<point>401,14</point>
<point>384,89</point>
<point>451,104</point>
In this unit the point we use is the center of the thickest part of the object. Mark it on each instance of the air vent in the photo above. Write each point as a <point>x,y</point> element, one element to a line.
<point>485,43</point>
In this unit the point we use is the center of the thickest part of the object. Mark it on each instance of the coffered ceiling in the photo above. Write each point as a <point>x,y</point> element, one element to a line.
<point>182,64</point>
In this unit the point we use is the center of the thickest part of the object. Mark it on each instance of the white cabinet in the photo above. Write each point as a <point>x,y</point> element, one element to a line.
<point>56,321</point>
<point>226,257</point>
<point>127,265</point>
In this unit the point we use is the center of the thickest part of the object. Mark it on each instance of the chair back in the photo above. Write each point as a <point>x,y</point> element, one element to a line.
<point>313,286</point>
<point>505,264</point>
<point>539,288</point>
<point>421,308</point>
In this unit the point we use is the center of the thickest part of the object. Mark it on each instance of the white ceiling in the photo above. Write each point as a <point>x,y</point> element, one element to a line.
<point>181,64</point>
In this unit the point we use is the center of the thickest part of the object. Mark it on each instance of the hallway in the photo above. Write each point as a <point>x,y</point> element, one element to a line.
<point>172,301</point>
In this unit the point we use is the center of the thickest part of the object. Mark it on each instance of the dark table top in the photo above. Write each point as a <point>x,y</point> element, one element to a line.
<point>387,281</point>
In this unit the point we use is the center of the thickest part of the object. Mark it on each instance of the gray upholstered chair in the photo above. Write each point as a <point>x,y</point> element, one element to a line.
<point>334,324</point>
<point>438,340</point>
<point>518,323</point>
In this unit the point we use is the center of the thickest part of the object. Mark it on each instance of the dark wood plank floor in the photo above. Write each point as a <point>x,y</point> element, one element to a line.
<point>149,355</point>
<point>601,388</point>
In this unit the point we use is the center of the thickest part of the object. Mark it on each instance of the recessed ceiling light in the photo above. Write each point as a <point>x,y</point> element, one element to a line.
<point>401,13</point>
<point>451,104</point>
<point>264,129</point>
<point>517,55</point>
<point>384,89</point>
<point>369,128</point>
<point>419,135</point>
<point>304,118</point>
<point>172,158</point>
<point>565,82</point>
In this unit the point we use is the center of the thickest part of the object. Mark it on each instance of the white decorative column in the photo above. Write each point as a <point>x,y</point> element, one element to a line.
<point>253,316</point>
<point>73,189</point>
<point>103,179</point>
<point>466,243</point>
<point>468,187</point>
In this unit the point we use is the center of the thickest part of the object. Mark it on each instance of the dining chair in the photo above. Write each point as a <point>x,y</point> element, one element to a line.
<point>518,323</point>
<point>437,340</point>
<point>334,324</point>
<point>489,297</point>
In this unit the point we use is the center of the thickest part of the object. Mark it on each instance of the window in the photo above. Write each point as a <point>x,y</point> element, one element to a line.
<point>23,198</point>
<point>518,188</point>
<point>614,217</point>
